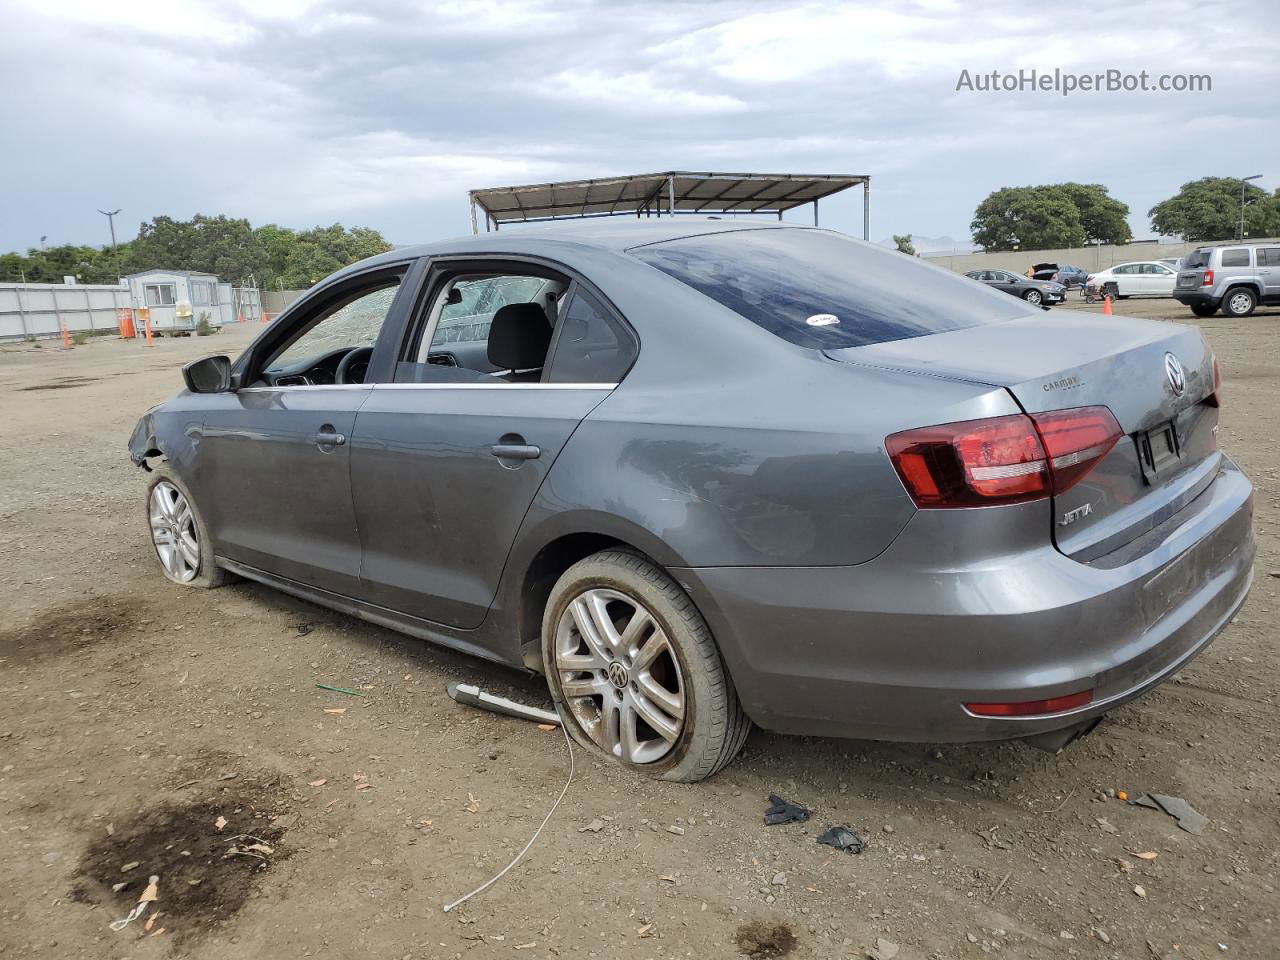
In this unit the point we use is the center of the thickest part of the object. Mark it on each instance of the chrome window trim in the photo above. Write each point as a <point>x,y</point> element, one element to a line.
<point>309,386</point>
<point>494,386</point>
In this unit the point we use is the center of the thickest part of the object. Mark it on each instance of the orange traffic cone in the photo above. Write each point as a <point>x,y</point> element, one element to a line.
<point>66,337</point>
<point>1106,306</point>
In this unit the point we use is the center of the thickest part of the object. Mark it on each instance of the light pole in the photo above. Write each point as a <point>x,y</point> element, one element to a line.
<point>1243,181</point>
<point>115,253</point>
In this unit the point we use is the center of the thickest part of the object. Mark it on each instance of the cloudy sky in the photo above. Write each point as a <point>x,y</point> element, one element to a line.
<point>384,113</point>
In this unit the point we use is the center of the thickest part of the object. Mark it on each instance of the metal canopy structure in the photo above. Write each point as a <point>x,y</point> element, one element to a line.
<point>657,194</point>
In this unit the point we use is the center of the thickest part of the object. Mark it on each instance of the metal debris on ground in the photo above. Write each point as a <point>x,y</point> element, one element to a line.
<point>473,696</point>
<point>1189,819</point>
<point>782,811</point>
<point>842,838</point>
<point>349,693</point>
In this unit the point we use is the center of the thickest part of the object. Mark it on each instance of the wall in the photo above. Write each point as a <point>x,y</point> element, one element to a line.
<point>1093,258</point>
<point>40,309</point>
<point>275,301</point>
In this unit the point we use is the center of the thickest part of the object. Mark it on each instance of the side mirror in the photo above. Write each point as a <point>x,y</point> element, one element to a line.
<point>208,375</point>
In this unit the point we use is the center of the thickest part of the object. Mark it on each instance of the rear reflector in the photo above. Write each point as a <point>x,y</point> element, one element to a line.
<point>1031,708</point>
<point>1010,459</point>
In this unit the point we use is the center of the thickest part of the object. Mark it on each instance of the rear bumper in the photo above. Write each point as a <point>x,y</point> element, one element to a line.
<point>893,648</point>
<point>1195,298</point>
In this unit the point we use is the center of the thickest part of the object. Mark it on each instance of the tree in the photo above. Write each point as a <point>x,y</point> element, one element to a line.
<point>904,244</point>
<point>1103,218</point>
<point>1209,209</point>
<point>228,247</point>
<point>1029,218</point>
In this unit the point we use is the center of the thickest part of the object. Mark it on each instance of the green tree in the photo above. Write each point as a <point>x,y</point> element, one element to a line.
<point>1209,209</point>
<point>1028,218</point>
<point>904,244</point>
<point>1103,218</point>
<point>219,245</point>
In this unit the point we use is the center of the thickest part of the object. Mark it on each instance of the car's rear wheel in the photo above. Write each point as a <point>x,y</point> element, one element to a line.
<point>1033,297</point>
<point>178,532</point>
<point>1204,309</point>
<point>1239,302</point>
<point>635,672</point>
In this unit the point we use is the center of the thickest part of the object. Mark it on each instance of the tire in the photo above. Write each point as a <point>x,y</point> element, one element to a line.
<point>1112,290</point>
<point>164,487</point>
<point>610,689</point>
<point>1033,297</point>
<point>1204,309</point>
<point>1239,302</point>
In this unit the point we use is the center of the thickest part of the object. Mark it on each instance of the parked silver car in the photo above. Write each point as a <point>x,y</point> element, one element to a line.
<point>1233,278</point>
<point>702,473</point>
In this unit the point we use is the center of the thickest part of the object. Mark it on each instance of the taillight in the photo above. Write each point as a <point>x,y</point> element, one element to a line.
<point>1215,399</point>
<point>1009,459</point>
<point>1208,279</point>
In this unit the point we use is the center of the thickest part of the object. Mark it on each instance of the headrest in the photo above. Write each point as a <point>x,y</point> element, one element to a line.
<point>519,336</point>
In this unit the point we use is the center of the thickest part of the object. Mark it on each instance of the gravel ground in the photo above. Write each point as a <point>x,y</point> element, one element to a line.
<point>147,729</point>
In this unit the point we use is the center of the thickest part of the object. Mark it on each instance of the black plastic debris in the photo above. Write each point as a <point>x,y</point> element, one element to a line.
<point>780,811</point>
<point>842,838</point>
<point>1189,819</point>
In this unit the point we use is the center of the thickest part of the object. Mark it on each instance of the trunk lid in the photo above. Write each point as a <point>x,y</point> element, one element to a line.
<point>1169,452</point>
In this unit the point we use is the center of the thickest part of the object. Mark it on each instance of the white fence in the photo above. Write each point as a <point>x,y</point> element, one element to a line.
<point>40,309</point>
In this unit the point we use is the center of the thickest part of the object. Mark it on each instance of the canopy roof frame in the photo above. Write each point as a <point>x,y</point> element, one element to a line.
<point>686,192</point>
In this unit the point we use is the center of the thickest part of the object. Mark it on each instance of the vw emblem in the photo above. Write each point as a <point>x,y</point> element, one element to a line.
<point>1173,370</point>
<point>618,675</point>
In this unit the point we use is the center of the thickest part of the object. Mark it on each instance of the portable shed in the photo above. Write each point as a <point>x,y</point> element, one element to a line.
<point>180,299</point>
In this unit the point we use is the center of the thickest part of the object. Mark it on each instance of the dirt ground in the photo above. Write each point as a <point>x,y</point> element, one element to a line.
<point>150,730</point>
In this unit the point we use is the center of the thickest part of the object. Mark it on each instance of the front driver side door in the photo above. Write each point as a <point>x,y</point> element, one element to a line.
<point>273,462</point>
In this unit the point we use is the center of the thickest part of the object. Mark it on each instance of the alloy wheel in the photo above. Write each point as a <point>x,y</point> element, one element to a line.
<point>1033,297</point>
<point>620,676</point>
<point>1240,303</point>
<point>173,532</point>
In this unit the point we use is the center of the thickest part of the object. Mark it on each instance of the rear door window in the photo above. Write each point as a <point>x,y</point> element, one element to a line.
<point>1269,256</point>
<point>590,345</point>
<point>823,290</point>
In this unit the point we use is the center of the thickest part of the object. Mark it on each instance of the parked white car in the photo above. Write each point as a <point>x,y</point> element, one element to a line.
<point>1144,278</point>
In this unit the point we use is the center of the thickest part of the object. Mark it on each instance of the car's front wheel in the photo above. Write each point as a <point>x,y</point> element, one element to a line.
<point>635,672</point>
<point>178,532</point>
<point>1033,297</point>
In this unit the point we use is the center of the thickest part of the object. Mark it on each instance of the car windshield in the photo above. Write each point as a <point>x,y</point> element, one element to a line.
<point>823,290</point>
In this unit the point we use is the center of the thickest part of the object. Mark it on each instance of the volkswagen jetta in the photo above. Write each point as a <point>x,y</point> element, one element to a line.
<point>701,473</point>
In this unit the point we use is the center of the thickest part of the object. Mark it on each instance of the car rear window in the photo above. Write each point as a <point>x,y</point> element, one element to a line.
<point>1197,259</point>
<point>823,290</point>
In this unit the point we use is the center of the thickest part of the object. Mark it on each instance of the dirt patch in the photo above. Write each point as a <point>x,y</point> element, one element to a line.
<point>70,628</point>
<point>206,873</point>
<point>760,940</point>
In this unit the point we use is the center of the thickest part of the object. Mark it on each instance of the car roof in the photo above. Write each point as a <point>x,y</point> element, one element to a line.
<point>608,233</point>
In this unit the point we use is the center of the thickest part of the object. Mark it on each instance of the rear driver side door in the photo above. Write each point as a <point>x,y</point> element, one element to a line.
<point>444,467</point>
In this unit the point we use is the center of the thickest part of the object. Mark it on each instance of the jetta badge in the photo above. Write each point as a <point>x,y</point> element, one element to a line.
<point>1173,370</point>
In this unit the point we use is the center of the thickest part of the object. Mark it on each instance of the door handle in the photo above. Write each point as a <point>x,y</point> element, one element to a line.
<point>330,438</point>
<point>515,451</point>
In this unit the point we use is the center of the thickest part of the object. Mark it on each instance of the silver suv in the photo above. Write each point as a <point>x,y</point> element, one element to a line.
<point>1233,279</point>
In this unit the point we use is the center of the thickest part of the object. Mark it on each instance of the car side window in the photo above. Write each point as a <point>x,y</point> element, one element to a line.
<point>485,326</point>
<point>353,323</point>
<point>590,346</point>
<point>1269,256</point>
<point>1237,257</point>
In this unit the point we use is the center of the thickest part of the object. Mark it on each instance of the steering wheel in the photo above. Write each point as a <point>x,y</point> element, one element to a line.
<point>354,366</point>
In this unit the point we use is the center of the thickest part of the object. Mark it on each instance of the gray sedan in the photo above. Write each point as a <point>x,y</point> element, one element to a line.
<point>1035,292</point>
<point>701,474</point>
